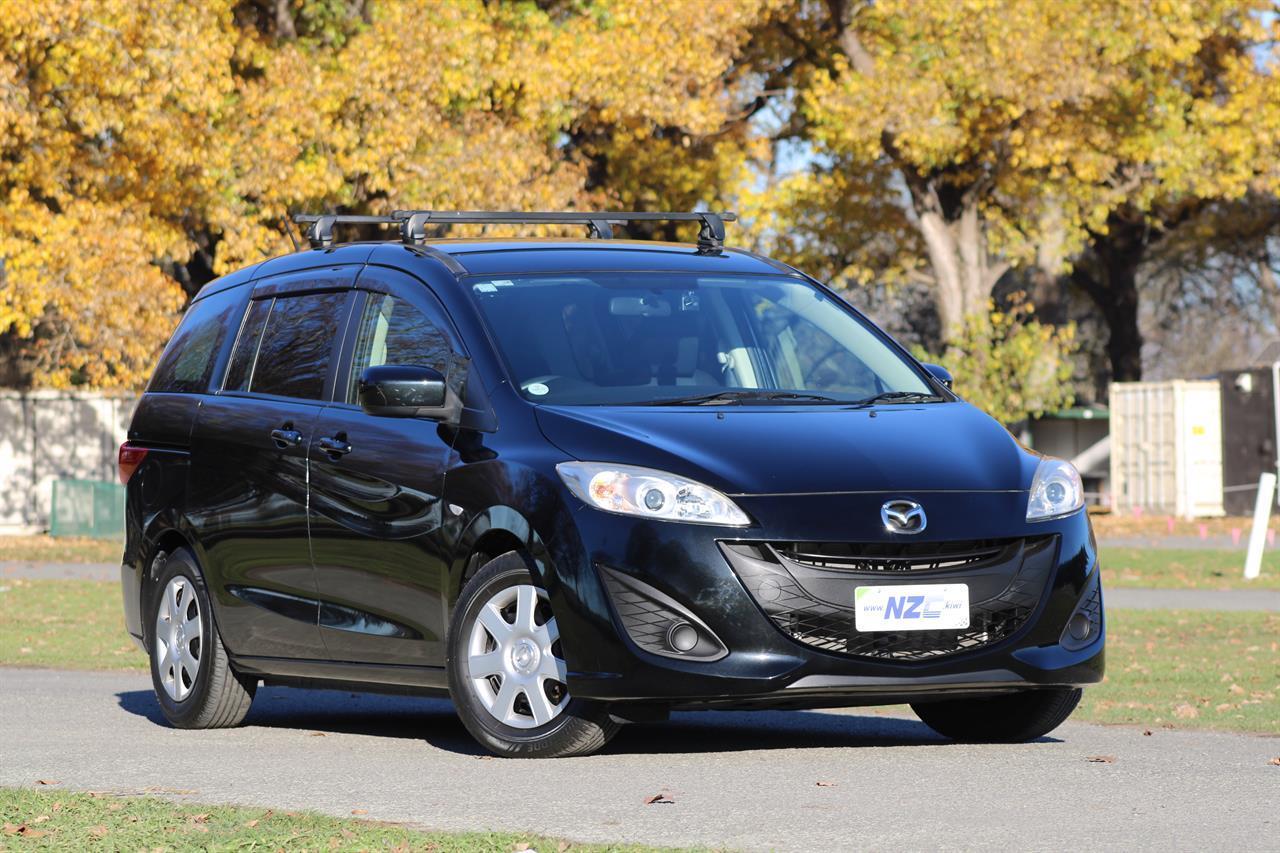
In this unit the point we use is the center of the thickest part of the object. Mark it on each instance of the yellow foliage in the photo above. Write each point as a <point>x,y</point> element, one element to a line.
<point>1009,364</point>
<point>1074,106</point>
<point>134,133</point>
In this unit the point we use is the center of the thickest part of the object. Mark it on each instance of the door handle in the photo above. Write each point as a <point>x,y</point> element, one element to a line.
<point>286,437</point>
<point>336,447</point>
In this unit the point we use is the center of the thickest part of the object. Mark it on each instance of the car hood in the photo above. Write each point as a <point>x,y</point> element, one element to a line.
<point>748,450</point>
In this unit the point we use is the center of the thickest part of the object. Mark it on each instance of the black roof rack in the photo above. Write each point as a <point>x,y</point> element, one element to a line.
<point>413,223</point>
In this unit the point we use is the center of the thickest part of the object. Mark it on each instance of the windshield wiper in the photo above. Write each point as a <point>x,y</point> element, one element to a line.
<point>899,397</point>
<point>737,397</point>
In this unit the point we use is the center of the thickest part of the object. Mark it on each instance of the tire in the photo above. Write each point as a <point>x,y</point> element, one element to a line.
<point>215,696</point>
<point>1002,719</point>
<point>502,708</point>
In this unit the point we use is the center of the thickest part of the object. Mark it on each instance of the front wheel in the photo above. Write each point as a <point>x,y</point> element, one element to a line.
<point>507,672</point>
<point>1000,719</point>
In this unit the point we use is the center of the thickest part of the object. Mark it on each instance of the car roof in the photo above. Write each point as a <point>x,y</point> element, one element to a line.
<point>485,256</point>
<point>513,257</point>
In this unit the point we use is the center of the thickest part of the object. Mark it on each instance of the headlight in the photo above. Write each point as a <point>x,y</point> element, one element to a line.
<point>629,490</point>
<point>1056,490</point>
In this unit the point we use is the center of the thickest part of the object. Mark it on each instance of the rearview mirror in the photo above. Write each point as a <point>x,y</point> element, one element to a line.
<point>407,391</point>
<point>939,373</point>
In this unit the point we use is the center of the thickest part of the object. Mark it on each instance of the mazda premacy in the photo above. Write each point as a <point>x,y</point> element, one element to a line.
<point>573,483</point>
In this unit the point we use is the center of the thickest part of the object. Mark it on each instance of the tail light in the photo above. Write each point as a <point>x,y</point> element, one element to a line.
<point>130,458</point>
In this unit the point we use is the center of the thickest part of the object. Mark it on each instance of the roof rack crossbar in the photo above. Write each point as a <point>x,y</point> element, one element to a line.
<point>413,223</point>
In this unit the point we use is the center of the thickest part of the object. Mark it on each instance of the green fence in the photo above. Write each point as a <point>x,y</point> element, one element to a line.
<point>87,508</point>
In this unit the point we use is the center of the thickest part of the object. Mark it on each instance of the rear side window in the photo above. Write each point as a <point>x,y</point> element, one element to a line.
<point>393,331</point>
<point>242,357</point>
<point>286,345</point>
<point>188,360</point>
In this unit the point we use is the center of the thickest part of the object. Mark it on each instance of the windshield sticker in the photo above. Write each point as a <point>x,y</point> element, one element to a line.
<point>538,389</point>
<point>503,282</point>
<point>485,287</point>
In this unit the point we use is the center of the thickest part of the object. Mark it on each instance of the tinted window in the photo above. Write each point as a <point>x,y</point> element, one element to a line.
<point>297,343</point>
<point>393,331</point>
<point>187,363</point>
<point>241,367</point>
<point>644,337</point>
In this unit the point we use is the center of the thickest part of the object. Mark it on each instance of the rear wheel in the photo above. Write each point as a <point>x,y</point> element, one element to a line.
<point>1000,719</point>
<point>507,671</point>
<point>190,670</point>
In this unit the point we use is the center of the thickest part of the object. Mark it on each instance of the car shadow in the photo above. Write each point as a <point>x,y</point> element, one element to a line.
<point>433,721</point>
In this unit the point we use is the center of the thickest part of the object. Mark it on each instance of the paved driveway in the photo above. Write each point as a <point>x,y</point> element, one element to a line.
<point>744,780</point>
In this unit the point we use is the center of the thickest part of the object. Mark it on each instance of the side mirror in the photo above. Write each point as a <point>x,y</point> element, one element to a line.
<point>407,391</point>
<point>939,373</point>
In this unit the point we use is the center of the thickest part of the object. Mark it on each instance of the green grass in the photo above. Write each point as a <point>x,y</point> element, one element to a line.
<point>97,821</point>
<point>1189,669</point>
<point>1185,569</point>
<point>1197,669</point>
<point>65,623</point>
<point>61,550</point>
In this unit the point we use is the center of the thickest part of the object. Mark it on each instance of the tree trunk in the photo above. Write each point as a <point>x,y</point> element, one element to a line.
<point>949,218</point>
<point>1124,346</point>
<point>1108,273</point>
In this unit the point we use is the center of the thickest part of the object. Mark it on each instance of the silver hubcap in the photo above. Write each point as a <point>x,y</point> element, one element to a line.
<point>177,648</point>
<point>513,669</point>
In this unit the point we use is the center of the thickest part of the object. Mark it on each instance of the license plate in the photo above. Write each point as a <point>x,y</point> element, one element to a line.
<point>912,607</point>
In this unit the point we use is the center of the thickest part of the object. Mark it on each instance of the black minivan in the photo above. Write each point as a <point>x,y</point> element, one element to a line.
<point>578,482</point>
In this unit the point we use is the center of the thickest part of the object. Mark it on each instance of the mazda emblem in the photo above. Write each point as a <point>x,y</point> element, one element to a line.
<point>903,517</point>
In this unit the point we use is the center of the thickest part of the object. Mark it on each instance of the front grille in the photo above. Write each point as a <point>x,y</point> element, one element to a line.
<point>892,556</point>
<point>807,590</point>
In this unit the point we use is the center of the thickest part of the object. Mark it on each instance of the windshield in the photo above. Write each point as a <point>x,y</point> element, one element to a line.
<point>646,338</point>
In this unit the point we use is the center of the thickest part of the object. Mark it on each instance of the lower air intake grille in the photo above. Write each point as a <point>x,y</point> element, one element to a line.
<point>811,600</point>
<point>657,623</point>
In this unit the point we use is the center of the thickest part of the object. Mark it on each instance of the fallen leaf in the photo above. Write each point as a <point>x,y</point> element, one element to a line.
<point>826,784</point>
<point>662,799</point>
<point>1186,712</point>
<point>57,806</point>
<point>359,811</point>
<point>41,819</point>
<point>99,831</point>
<point>522,845</point>
<point>318,734</point>
<point>1146,732</point>
<point>11,828</point>
<point>200,818</point>
<point>1101,759</point>
<point>48,782</point>
<point>1275,761</point>
<point>251,824</point>
<point>27,832</point>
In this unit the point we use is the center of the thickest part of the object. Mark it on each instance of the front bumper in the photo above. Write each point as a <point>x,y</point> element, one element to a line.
<point>764,664</point>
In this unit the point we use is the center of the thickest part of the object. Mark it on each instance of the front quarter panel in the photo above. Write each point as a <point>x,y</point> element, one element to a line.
<point>483,489</point>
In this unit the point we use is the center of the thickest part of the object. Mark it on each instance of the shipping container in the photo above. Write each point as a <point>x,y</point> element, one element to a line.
<point>1166,448</point>
<point>1250,404</point>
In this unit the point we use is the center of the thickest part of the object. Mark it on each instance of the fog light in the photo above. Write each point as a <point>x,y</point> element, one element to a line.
<point>1080,627</point>
<point>682,637</point>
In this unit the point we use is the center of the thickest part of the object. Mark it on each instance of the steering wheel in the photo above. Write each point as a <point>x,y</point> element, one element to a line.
<point>813,368</point>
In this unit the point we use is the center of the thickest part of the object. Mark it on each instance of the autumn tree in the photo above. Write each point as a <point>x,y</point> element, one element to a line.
<point>169,143</point>
<point>1065,138</point>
